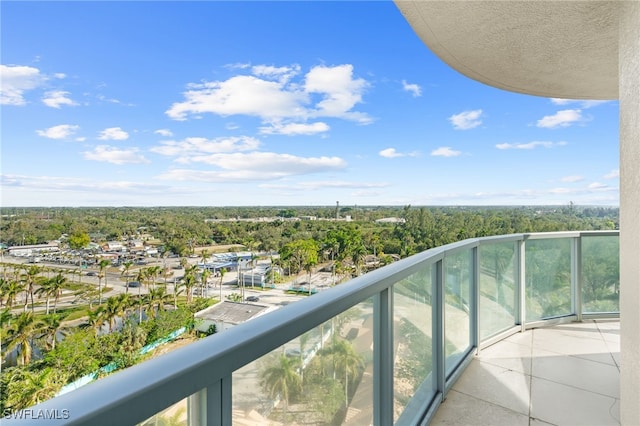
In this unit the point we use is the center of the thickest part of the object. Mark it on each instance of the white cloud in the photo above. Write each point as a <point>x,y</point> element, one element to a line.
<point>243,94</point>
<point>598,185</point>
<point>319,185</point>
<point>295,128</point>
<point>60,75</point>
<point>56,98</point>
<point>530,145</point>
<point>258,166</point>
<point>466,120</point>
<point>58,183</point>
<point>274,101</point>
<point>571,179</point>
<point>15,80</point>
<point>584,104</point>
<point>341,92</point>
<point>238,65</point>
<point>164,132</point>
<point>113,133</point>
<point>445,151</point>
<point>81,139</point>
<point>613,174</point>
<point>562,118</point>
<point>110,154</point>
<point>392,153</point>
<point>282,74</point>
<point>103,98</point>
<point>413,88</point>
<point>61,131</point>
<point>389,153</point>
<point>190,146</point>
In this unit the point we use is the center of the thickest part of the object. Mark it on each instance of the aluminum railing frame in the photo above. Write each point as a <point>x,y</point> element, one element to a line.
<point>203,370</point>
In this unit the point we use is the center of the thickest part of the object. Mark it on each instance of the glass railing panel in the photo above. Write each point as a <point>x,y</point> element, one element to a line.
<point>600,274</point>
<point>458,278</point>
<point>177,414</point>
<point>322,377</point>
<point>498,278</point>
<point>412,340</point>
<point>547,278</point>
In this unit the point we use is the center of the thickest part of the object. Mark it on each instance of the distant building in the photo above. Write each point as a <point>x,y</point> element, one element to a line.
<point>30,250</point>
<point>114,246</point>
<point>228,314</point>
<point>391,220</point>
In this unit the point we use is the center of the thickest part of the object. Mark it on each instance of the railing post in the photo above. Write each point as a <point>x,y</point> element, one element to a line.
<point>383,358</point>
<point>437,321</point>
<point>474,307</point>
<point>211,406</point>
<point>576,277</point>
<point>521,286</point>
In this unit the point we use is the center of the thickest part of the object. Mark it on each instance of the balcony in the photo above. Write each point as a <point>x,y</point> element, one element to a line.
<point>467,324</point>
<point>567,374</point>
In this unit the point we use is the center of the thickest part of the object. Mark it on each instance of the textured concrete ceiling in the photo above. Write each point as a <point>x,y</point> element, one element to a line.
<point>560,49</point>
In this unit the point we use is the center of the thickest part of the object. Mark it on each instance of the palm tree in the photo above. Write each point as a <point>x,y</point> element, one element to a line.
<point>96,319</point>
<point>347,362</point>
<point>126,266</point>
<point>112,309</point>
<point>184,262</point>
<point>27,388</point>
<point>204,277</point>
<point>52,287</point>
<point>141,277</point>
<point>51,327</point>
<point>166,273</point>
<point>153,272</point>
<point>304,339</point>
<point>5,322</point>
<point>45,289</point>
<point>222,272</point>
<point>158,296</point>
<point>3,284</point>
<point>133,338</point>
<point>308,266</point>
<point>79,272</point>
<point>176,292</point>
<point>125,302</point>
<point>102,265</point>
<point>10,290</point>
<point>30,276</point>
<point>281,379</point>
<point>21,335</point>
<point>357,256</point>
<point>204,256</point>
<point>189,281</point>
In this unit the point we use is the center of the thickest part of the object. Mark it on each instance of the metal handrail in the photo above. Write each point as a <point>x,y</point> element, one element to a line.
<point>139,392</point>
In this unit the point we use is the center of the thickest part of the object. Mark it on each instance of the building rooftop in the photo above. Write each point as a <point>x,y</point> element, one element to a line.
<point>232,312</point>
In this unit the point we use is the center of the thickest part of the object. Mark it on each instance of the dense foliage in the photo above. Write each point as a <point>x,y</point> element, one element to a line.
<point>180,229</point>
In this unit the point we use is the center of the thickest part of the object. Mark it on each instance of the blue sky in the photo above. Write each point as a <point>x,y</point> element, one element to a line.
<point>274,103</point>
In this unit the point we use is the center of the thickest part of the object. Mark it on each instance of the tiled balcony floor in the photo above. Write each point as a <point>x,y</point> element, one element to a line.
<point>563,375</point>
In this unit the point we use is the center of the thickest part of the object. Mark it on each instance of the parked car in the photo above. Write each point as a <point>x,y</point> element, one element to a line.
<point>252,299</point>
<point>133,284</point>
<point>293,352</point>
<point>92,274</point>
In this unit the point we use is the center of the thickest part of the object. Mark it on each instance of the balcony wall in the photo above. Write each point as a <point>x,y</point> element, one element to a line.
<point>384,348</point>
